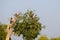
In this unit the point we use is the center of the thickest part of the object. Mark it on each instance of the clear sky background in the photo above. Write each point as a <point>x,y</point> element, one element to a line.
<point>47,10</point>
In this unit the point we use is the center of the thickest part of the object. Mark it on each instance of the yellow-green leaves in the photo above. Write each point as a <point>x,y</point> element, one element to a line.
<point>2,31</point>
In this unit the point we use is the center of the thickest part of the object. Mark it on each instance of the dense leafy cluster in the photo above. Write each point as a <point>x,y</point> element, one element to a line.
<point>56,38</point>
<point>28,25</point>
<point>2,31</point>
<point>44,37</point>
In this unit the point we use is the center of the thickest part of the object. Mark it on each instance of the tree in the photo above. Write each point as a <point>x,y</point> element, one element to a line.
<point>27,25</point>
<point>57,38</point>
<point>10,26</point>
<point>43,37</point>
<point>2,31</point>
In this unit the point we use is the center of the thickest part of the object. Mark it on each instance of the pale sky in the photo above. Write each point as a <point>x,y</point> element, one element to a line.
<point>47,10</point>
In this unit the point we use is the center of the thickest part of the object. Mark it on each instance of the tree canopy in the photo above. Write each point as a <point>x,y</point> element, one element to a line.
<point>56,38</point>
<point>43,37</point>
<point>2,31</point>
<point>28,25</point>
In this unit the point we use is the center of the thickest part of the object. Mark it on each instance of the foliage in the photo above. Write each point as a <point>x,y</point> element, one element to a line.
<point>57,38</point>
<point>43,37</point>
<point>2,31</point>
<point>27,25</point>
